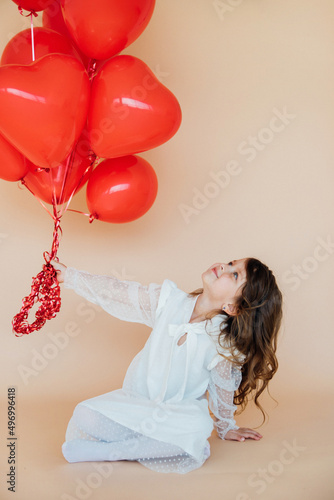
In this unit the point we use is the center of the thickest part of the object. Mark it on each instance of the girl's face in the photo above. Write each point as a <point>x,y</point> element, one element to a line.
<point>223,282</point>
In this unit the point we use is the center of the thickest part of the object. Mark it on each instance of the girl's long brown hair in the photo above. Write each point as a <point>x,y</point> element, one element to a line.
<point>253,332</point>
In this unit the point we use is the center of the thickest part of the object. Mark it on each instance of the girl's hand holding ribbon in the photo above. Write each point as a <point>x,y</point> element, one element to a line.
<point>60,270</point>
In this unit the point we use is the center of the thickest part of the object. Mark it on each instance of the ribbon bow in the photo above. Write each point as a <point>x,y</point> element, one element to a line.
<point>178,330</point>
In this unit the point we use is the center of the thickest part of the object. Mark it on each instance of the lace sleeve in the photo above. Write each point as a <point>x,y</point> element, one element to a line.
<point>224,381</point>
<point>125,300</point>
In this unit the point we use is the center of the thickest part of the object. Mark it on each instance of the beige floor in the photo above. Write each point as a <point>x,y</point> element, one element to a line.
<point>294,460</point>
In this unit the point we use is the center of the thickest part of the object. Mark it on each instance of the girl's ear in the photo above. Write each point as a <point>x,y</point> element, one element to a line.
<point>230,309</point>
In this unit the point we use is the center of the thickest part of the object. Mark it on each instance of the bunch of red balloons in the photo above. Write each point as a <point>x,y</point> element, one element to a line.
<point>74,111</point>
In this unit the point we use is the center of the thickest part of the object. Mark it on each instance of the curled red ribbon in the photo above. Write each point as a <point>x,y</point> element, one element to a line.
<point>44,289</point>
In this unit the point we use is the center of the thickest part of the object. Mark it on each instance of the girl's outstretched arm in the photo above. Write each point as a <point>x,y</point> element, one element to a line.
<point>125,300</point>
<point>224,381</point>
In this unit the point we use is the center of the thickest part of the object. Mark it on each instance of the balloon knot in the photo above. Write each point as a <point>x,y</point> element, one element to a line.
<point>31,12</point>
<point>92,157</point>
<point>92,69</point>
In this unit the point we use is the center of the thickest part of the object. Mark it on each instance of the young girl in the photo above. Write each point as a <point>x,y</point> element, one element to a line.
<point>218,341</point>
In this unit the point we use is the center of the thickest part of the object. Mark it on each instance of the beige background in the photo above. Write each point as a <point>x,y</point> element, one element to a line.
<point>232,72</point>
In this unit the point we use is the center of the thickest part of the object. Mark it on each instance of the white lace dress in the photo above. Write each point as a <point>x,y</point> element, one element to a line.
<point>160,417</point>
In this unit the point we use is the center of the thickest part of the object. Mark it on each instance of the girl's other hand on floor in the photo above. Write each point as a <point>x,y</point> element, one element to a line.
<point>242,434</point>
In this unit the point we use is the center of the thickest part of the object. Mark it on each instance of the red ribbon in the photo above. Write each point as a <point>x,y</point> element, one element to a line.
<point>44,289</point>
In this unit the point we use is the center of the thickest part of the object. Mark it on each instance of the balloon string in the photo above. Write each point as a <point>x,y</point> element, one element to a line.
<point>57,232</point>
<point>54,195</point>
<point>32,36</point>
<point>40,201</point>
<point>44,289</point>
<point>93,159</point>
<point>92,217</point>
<point>31,14</point>
<point>69,164</point>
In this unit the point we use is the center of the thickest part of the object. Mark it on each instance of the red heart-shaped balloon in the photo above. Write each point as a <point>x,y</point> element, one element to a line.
<point>44,107</point>
<point>130,110</point>
<point>102,28</point>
